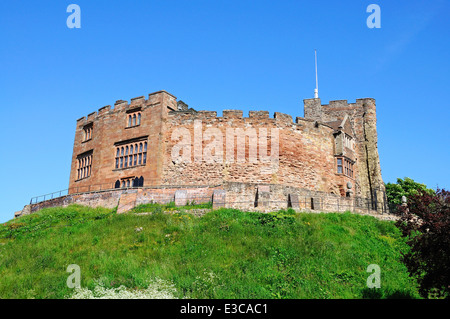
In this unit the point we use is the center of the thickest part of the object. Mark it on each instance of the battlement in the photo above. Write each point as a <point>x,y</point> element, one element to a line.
<point>255,117</point>
<point>122,105</point>
<point>306,152</point>
<point>259,114</point>
<point>345,104</point>
<point>315,110</point>
<point>338,103</point>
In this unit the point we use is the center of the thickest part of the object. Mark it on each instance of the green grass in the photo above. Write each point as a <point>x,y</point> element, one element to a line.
<point>158,208</point>
<point>224,254</point>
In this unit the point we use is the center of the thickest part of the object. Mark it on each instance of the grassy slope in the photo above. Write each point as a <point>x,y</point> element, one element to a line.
<point>225,254</point>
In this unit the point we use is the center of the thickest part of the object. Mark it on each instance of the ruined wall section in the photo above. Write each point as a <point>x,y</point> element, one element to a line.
<point>110,126</point>
<point>305,151</point>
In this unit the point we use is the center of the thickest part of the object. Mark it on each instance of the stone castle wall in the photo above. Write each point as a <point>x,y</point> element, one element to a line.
<point>243,196</point>
<point>305,154</point>
<point>194,148</point>
<point>362,116</point>
<point>109,128</point>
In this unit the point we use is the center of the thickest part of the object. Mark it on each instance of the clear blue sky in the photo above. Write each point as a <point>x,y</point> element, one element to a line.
<point>215,55</point>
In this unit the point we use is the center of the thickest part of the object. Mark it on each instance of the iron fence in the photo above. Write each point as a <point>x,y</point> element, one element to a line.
<point>74,190</point>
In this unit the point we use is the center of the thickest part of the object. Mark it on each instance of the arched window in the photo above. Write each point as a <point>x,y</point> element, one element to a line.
<point>123,184</point>
<point>145,147</point>
<point>134,119</point>
<point>121,151</point>
<point>139,119</point>
<point>84,166</point>
<point>140,147</point>
<point>126,150</point>
<point>131,149</point>
<point>118,152</point>
<point>129,120</point>
<point>128,183</point>
<point>141,181</point>
<point>117,184</point>
<point>136,182</point>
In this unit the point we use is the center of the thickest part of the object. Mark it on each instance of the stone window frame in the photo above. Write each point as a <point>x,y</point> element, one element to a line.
<point>129,182</point>
<point>348,141</point>
<point>134,118</point>
<point>88,130</point>
<point>131,153</point>
<point>346,166</point>
<point>84,165</point>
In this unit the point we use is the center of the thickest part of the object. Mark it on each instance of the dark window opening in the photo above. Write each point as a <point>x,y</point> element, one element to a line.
<point>131,155</point>
<point>339,165</point>
<point>344,166</point>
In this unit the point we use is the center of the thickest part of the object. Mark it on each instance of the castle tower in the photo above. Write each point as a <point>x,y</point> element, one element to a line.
<point>361,116</point>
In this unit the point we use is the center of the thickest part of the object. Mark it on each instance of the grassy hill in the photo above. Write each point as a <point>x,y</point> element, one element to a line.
<point>224,254</point>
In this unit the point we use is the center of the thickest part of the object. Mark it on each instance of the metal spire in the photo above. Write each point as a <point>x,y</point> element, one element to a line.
<point>316,90</point>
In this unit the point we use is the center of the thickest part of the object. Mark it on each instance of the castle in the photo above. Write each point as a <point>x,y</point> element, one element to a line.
<point>158,150</point>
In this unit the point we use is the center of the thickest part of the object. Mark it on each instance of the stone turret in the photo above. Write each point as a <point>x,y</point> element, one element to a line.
<point>362,117</point>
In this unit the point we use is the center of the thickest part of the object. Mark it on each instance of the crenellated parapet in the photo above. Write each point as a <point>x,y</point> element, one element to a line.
<point>233,117</point>
<point>155,148</point>
<point>331,147</point>
<point>154,99</point>
<point>362,118</point>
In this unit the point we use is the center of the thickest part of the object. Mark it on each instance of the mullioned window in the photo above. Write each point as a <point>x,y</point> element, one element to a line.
<point>131,154</point>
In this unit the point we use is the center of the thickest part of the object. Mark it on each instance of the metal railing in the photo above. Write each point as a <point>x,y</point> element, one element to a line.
<point>73,190</point>
<point>96,188</point>
<point>313,202</point>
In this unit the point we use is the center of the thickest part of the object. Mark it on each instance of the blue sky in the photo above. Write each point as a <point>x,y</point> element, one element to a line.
<point>215,55</point>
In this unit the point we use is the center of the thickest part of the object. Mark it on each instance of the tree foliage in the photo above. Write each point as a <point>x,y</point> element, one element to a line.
<point>426,224</point>
<point>404,187</point>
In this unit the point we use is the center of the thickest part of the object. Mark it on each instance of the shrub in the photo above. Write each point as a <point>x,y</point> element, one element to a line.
<point>404,187</point>
<point>426,224</point>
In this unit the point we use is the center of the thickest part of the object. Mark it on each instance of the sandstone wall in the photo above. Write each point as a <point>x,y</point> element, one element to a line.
<point>362,116</point>
<point>126,199</point>
<point>243,196</point>
<point>304,154</point>
<point>109,128</point>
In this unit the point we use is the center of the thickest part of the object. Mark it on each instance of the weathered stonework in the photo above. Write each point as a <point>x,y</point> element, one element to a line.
<point>327,160</point>
<point>362,122</point>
